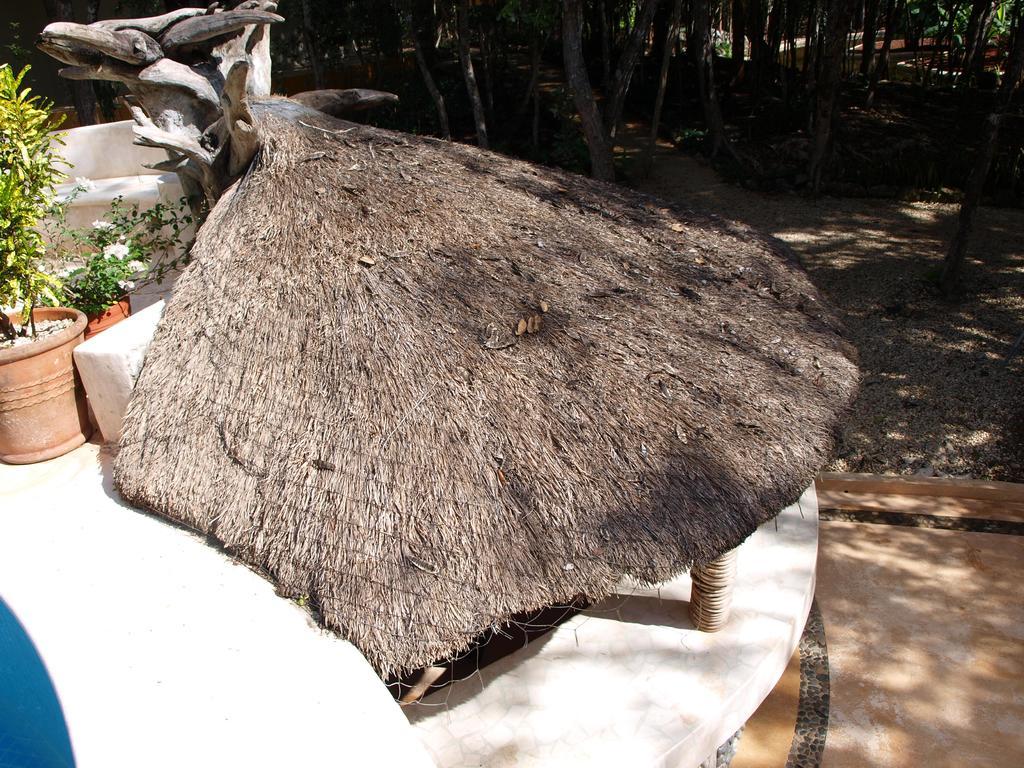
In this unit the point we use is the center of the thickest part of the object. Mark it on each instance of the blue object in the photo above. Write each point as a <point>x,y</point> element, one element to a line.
<point>33,733</point>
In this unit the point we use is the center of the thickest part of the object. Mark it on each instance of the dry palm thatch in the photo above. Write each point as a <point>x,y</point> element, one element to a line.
<point>430,387</point>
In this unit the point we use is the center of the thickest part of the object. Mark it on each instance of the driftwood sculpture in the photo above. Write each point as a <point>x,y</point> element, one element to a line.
<point>444,387</point>
<point>190,73</point>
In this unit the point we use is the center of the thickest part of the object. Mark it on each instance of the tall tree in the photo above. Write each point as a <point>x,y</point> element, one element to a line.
<point>601,165</point>
<point>953,264</point>
<point>316,64</point>
<point>837,23</point>
<point>435,93</point>
<point>739,34</point>
<point>868,38</point>
<point>424,27</point>
<point>627,64</point>
<point>893,10</point>
<point>466,57</point>
<point>671,35</point>
<point>974,37</point>
<point>704,58</point>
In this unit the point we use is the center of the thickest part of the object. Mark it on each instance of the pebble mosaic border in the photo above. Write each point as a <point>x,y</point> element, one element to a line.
<point>812,711</point>
<point>808,743</point>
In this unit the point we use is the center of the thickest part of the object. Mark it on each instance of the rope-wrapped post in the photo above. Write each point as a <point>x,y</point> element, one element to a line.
<point>711,596</point>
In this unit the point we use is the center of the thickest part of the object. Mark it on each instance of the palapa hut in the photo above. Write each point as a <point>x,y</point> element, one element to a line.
<point>429,387</point>
<point>341,391</point>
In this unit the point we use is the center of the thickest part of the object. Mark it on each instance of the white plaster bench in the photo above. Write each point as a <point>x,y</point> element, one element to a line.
<point>102,163</point>
<point>104,158</point>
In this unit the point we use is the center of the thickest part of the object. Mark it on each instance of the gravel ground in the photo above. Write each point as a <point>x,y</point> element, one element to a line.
<point>938,395</point>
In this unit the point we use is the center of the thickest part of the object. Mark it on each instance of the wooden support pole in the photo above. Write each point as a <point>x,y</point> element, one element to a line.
<point>711,596</point>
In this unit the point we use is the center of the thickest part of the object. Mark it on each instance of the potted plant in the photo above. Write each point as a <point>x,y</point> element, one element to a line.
<point>117,250</point>
<point>43,411</point>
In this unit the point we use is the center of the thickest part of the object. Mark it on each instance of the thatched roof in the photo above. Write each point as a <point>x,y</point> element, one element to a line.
<point>337,392</point>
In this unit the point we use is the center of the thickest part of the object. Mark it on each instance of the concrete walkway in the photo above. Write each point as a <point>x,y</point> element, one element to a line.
<point>924,626</point>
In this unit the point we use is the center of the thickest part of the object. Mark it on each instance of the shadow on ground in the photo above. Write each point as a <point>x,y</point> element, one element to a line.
<point>923,629</point>
<point>938,393</point>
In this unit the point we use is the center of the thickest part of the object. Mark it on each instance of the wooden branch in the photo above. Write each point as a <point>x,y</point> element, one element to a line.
<point>181,144</point>
<point>171,165</point>
<point>164,73</point>
<point>338,103</point>
<point>198,161</point>
<point>191,74</point>
<point>257,53</point>
<point>428,676</point>
<point>154,25</point>
<point>67,52</point>
<point>198,29</point>
<point>238,119</point>
<point>173,74</point>
<point>130,45</point>
<point>114,71</point>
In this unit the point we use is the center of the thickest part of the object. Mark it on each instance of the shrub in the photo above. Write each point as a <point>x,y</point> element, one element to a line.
<point>28,174</point>
<point>118,249</point>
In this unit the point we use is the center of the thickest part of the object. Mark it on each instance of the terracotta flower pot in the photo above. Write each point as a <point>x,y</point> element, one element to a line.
<point>43,410</point>
<point>103,320</point>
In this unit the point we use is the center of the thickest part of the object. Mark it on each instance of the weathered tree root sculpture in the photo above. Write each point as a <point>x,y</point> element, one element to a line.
<point>190,72</point>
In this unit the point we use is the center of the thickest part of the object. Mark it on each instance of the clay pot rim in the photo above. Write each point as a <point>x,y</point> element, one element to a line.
<point>122,304</point>
<point>23,351</point>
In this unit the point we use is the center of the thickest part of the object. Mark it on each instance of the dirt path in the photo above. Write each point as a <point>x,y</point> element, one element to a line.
<point>938,396</point>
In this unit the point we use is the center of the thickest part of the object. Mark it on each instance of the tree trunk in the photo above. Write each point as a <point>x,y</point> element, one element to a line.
<point>424,29</point>
<point>671,35</point>
<point>976,65</point>
<point>810,42</point>
<point>739,36</point>
<point>537,41</point>
<point>790,62</point>
<point>601,165</point>
<point>312,51</point>
<point>486,59</point>
<point>659,29</point>
<point>774,39</point>
<point>704,51</point>
<point>979,9</point>
<point>627,63</point>
<point>435,93</point>
<point>935,62</point>
<point>950,37</point>
<point>606,47</point>
<point>535,127</point>
<point>892,10</point>
<point>756,26</point>
<point>953,264</point>
<point>837,24</point>
<point>83,97</point>
<point>868,38</point>
<point>465,56</point>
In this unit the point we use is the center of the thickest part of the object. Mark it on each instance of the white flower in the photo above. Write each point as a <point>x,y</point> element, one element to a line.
<point>136,266</point>
<point>116,251</point>
<point>66,272</point>
<point>81,182</point>
<point>125,285</point>
<point>101,224</point>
